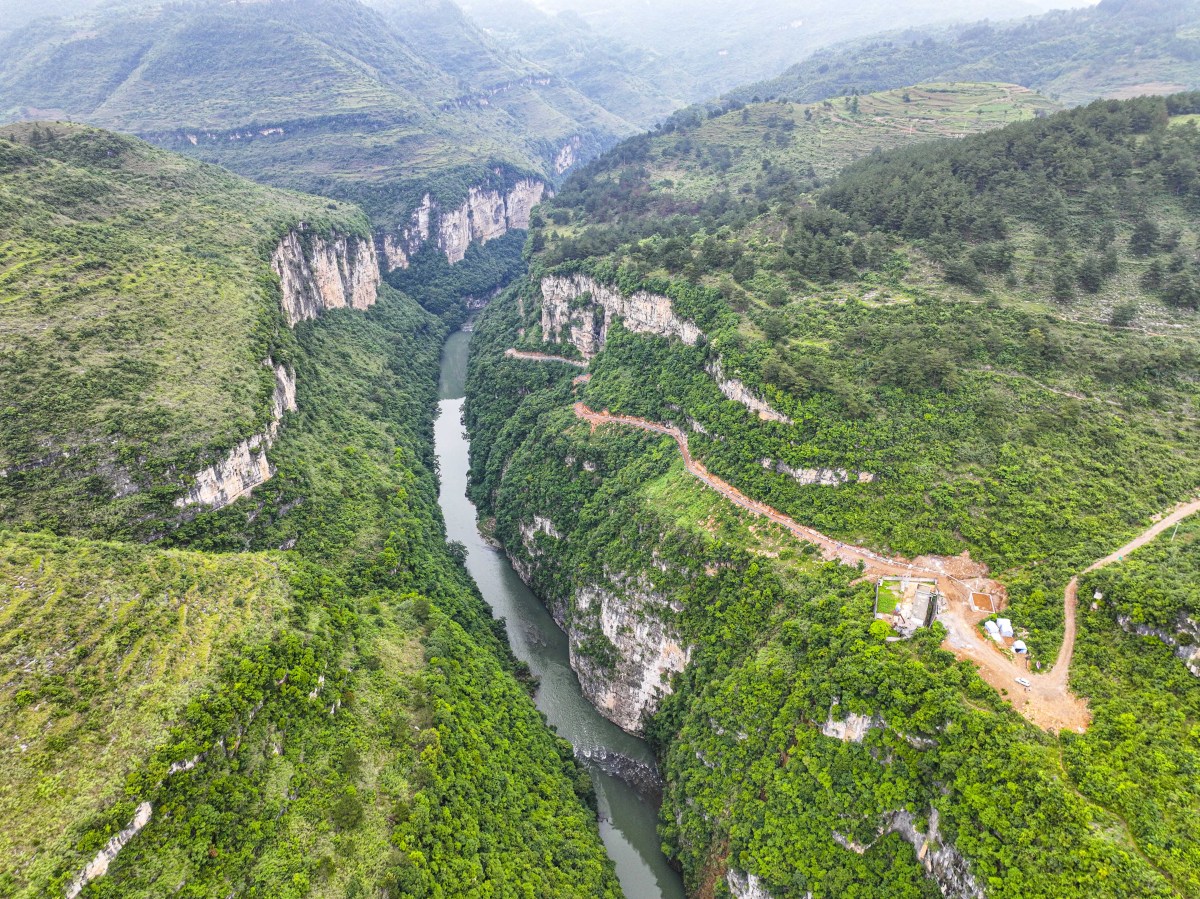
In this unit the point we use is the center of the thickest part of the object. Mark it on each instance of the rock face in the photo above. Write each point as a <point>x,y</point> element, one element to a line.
<point>824,477</point>
<point>246,466</point>
<point>1188,653</point>
<point>740,393</point>
<point>748,886</point>
<point>484,215</point>
<point>316,273</point>
<point>626,680</point>
<point>944,864</point>
<point>567,154</point>
<point>648,651</point>
<point>98,866</point>
<point>853,729</point>
<point>577,309</point>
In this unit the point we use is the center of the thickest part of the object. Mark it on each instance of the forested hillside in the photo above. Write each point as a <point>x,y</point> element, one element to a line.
<point>1117,48</point>
<point>294,691</point>
<point>981,346</point>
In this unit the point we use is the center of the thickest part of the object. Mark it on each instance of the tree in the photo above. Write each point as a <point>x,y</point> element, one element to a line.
<point>1144,239</point>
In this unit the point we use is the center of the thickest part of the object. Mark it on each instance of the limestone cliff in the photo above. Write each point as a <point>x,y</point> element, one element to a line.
<point>578,309</point>
<point>246,466</point>
<point>317,273</point>
<point>567,155</point>
<point>98,866</point>
<point>824,477</point>
<point>747,886</point>
<point>943,863</point>
<point>633,619</point>
<point>740,393</point>
<point>486,213</point>
<point>622,645</point>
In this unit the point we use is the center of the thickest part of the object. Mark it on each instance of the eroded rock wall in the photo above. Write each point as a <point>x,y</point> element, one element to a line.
<point>633,619</point>
<point>484,215</point>
<point>317,273</point>
<point>622,644</point>
<point>578,309</point>
<point>246,466</point>
<point>944,863</point>
<point>740,393</point>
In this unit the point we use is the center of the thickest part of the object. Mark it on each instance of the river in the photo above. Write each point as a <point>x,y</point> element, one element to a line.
<point>618,763</point>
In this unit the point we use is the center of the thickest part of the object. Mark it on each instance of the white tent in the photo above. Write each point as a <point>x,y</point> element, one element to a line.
<point>1005,626</point>
<point>1019,646</point>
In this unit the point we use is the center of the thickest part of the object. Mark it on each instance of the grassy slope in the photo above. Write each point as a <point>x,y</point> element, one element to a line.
<point>136,309</point>
<point>104,645</point>
<point>361,722</point>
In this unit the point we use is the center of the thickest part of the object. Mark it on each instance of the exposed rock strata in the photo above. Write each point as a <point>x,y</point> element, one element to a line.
<point>626,614</point>
<point>824,477</point>
<point>316,273</point>
<point>579,310</point>
<point>567,155</point>
<point>648,651</point>
<point>740,393</point>
<point>852,729</point>
<point>247,465</point>
<point>1188,653</point>
<point>98,866</point>
<point>748,886</point>
<point>943,863</point>
<point>484,215</point>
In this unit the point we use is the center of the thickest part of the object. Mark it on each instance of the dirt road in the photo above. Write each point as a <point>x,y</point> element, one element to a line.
<point>542,357</point>
<point>1048,701</point>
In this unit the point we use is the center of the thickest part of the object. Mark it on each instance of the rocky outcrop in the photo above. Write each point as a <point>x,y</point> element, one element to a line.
<point>852,729</point>
<point>944,864</point>
<point>648,650</point>
<point>578,309</point>
<point>247,465</point>
<point>748,886</point>
<point>740,393</point>
<point>317,273</point>
<point>824,477</point>
<point>98,866</point>
<point>1184,640</point>
<point>484,215</point>
<point>567,155</point>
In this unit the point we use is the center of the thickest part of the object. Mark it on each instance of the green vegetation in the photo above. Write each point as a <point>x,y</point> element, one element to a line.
<point>909,325</point>
<point>986,326</point>
<point>326,96</point>
<point>1117,48</point>
<point>778,637</point>
<point>342,710</point>
<point>1140,756</point>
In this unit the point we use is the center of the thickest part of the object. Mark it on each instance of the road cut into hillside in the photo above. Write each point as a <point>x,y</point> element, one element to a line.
<point>1047,702</point>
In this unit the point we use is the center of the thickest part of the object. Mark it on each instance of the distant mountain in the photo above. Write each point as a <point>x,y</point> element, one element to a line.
<point>631,82</point>
<point>327,96</point>
<point>702,48</point>
<point>1120,48</point>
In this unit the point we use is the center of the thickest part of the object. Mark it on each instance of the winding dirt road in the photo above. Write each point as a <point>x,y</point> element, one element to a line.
<point>513,353</point>
<point>1048,701</point>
